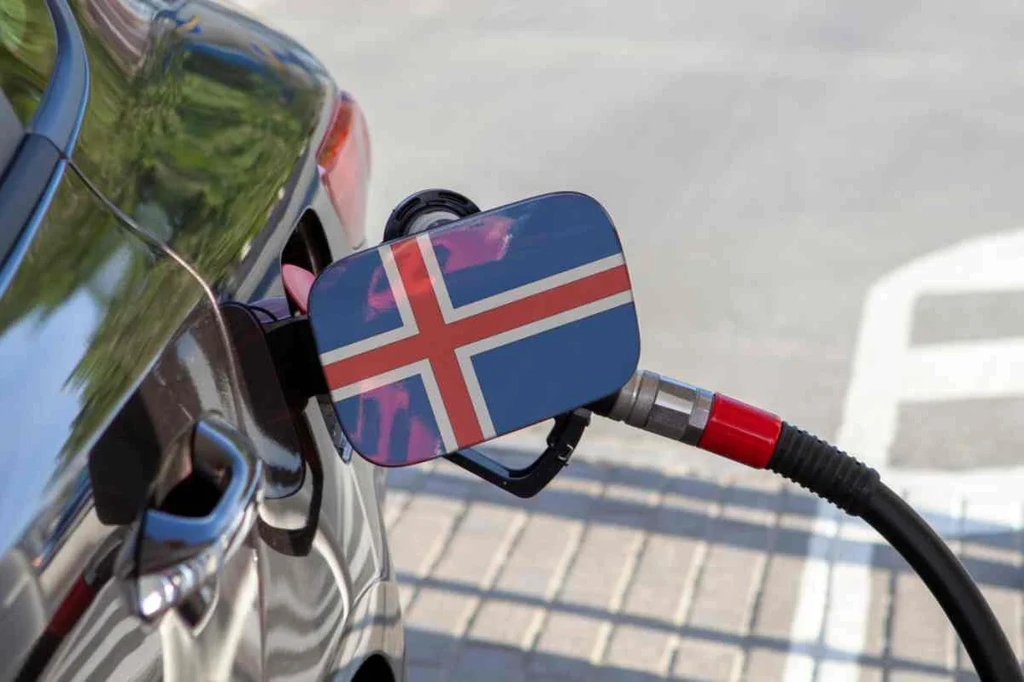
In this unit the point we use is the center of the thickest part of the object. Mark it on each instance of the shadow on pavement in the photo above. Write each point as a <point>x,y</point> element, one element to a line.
<point>684,522</point>
<point>749,521</point>
<point>479,660</point>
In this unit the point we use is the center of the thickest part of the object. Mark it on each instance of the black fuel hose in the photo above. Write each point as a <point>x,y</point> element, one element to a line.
<point>858,490</point>
<point>759,439</point>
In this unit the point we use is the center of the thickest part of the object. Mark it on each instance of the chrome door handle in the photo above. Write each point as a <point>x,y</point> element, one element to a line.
<point>173,560</point>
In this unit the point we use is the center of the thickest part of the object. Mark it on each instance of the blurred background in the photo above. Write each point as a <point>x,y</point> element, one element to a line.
<point>821,209</point>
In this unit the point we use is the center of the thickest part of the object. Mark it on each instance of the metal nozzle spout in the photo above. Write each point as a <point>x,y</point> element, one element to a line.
<point>660,405</point>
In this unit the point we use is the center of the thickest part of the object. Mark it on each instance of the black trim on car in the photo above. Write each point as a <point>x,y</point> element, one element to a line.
<point>30,178</point>
<point>34,172</point>
<point>60,113</point>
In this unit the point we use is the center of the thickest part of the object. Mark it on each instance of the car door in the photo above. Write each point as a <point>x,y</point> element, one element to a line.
<point>204,126</point>
<point>175,482</point>
<point>140,402</point>
<point>130,480</point>
<point>158,360</point>
<point>130,473</point>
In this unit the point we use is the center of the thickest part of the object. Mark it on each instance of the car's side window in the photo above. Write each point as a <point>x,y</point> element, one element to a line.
<point>28,49</point>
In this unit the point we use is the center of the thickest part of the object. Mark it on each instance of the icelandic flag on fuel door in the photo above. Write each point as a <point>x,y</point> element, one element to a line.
<point>475,329</point>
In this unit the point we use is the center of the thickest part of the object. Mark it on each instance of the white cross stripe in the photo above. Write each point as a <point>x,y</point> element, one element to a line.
<point>419,368</point>
<point>466,353</point>
<point>476,394</point>
<point>444,424</point>
<point>452,314</point>
<point>390,377</point>
<point>387,259</point>
<point>407,329</point>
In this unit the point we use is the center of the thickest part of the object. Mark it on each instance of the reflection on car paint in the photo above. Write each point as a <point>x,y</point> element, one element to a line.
<point>387,419</point>
<point>27,53</point>
<point>78,331</point>
<point>125,28</point>
<point>487,241</point>
<point>189,125</point>
<point>271,424</point>
<point>82,283</point>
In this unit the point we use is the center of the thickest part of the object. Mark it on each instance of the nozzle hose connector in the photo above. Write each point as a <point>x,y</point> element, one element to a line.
<point>695,416</point>
<point>660,405</point>
<point>759,439</point>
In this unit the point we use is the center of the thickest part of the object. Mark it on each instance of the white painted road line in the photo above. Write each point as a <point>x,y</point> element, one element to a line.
<point>965,370</point>
<point>886,372</point>
<point>809,616</point>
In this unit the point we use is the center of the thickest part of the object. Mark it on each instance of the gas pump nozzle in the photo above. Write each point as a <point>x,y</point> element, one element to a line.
<point>664,406</point>
<point>746,434</point>
<point>446,338</point>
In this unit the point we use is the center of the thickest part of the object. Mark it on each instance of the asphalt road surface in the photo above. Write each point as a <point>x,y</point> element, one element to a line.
<point>765,164</point>
<point>822,210</point>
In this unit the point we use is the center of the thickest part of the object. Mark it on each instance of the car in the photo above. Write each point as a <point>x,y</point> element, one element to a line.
<point>177,499</point>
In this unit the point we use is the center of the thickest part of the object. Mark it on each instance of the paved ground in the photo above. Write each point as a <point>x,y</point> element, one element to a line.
<point>628,573</point>
<point>797,185</point>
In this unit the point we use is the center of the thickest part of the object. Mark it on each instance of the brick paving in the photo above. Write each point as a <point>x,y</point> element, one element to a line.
<point>618,573</point>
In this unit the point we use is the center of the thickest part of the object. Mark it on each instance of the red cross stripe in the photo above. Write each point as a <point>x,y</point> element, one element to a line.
<point>438,340</point>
